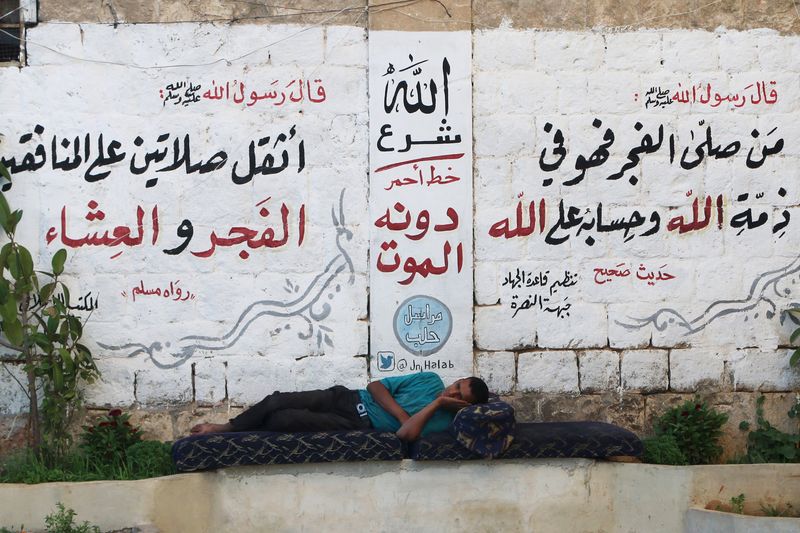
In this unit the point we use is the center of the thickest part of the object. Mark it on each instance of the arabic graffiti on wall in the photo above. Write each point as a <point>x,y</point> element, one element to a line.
<point>421,199</point>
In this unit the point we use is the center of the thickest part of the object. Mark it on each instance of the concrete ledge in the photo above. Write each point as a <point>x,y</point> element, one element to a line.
<point>702,520</point>
<point>519,495</point>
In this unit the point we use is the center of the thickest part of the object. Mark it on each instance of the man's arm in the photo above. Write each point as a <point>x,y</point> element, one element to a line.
<point>412,428</point>
<point>383,398</point>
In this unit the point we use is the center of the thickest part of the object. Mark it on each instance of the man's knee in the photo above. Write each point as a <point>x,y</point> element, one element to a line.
<point>284,420</point>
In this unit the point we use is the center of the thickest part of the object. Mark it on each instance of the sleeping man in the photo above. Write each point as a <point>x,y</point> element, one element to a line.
<point>410,405</point>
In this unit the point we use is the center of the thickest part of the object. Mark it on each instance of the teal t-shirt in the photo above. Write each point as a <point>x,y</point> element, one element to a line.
<point>412,392</point>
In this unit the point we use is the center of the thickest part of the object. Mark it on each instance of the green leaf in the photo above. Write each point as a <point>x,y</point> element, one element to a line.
<point>14,219</point>
<point>58,261</point>
<point>4,253</point>
<point>58,377</point>
<point>67,360</point>
<point>9,310</point>
<point>5,213</point>
<point>4,172</point>
<point>744,425</point>
<point>13,331</point>
<point>795,335</point>
<point>65,292</point>
<point>795,358</point>
<point>46,292</point>
<point>26,261</point>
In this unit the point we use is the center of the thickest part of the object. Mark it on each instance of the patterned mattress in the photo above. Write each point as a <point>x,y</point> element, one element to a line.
<point>531,440</point>
<point>540,440</point>
<point>206,452</point>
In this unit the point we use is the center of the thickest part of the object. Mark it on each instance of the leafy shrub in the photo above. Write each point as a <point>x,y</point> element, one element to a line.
<point>662,450</point>
<point>696,429</point>
<point>106,441</point>
<point>767,444</point>
<point>63,521</point>
<point>149,458</point>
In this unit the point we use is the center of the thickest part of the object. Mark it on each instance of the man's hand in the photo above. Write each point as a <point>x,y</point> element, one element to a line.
<point>451,404</point>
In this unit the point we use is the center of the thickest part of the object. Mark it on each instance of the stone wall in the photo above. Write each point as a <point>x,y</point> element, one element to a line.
<point>634,193</point>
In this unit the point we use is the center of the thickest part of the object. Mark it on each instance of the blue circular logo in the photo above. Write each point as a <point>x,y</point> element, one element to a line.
<point>422,325</point>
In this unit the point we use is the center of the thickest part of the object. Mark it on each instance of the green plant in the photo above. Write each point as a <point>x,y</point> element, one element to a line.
<point>150,458</point>
<point>662,450</point>
<point>768,444</point>
<point>777,510</point>
<point>37,324</point>
<point>63,521</point>
<point>106,441</point>
<point>696,429</point>
<point>737,504</point>
<point>794,315</point>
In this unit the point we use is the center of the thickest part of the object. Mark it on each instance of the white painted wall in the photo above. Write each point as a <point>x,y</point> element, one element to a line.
<point>717,320</point>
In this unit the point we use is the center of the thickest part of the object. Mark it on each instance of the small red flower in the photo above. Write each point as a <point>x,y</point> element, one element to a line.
<point>115,413</point>
<point>104,424</point>
<point>697,407</point>
<point>685,413</point>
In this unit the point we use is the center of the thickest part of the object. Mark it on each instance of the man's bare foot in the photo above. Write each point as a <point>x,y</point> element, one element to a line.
<point>200,429</point>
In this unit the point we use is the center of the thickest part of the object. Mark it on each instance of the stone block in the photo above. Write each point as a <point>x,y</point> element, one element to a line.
<point>155,425</point>
<point>696,369</point>
<point>599,371</point>
<point>209,380</point>
<point>691,51</point>
<point>13,433</point>
<point>187,418</point>
<point>645,370</point>
<point>638,51</point>
<point>491,335</point>
<point>552,371</point>
<point>501,49</point>
<point>583,326</point>
<point>497,369</point>
<point>766,371</point>
<point>115,387</point>
<point>569,51</point>
<point>13,398</point>
<point>164,386</point>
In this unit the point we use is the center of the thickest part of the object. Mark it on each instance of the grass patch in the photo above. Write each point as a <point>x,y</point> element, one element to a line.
<point>142,460</point>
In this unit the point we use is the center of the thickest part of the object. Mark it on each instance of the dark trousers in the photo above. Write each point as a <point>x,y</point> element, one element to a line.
<point>317,410</point>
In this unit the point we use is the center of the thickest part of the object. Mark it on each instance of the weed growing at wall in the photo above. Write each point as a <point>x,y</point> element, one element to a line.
<point>63,521</point>
<point>662,450</point>
<point>107,440</point>
<point>768,444</point>
<point>695,430</point>
<point>38,326</point>
<point>111,448</point>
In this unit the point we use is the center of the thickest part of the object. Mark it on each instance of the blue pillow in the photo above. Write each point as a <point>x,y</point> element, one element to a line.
<point>486,429</point>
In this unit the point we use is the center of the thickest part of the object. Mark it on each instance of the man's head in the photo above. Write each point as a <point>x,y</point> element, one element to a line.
<point>472,390</point>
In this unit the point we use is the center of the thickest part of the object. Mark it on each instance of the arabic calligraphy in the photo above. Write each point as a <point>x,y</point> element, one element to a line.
<point>123,235</point>
<point>85,302</point>
<point>603,275</point>
<point>548,292</point>
<point>706,212</point>
<point>411,265</point>
<point>267,155</point>
<point>277,93</point>
<point>422,324</point>
<point>704,94</point>
<point>171,292</point>
<point>690,157</point>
